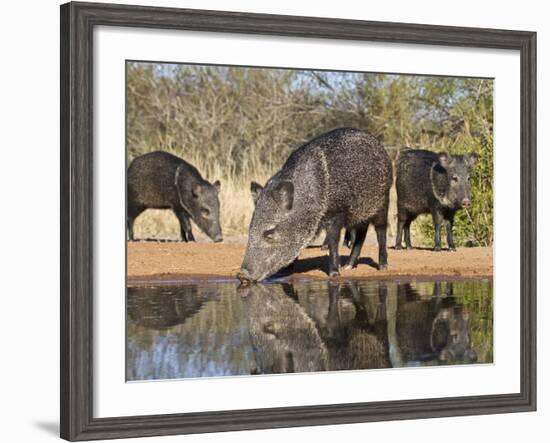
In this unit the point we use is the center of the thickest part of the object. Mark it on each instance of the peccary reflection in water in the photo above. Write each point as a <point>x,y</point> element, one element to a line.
<point>437,329</point>
<point>214,329</point>
<point>283,336</point>
<point>161,307</point>
<point>186,330</point>
<point>393,327</point>
<point>352,339</point>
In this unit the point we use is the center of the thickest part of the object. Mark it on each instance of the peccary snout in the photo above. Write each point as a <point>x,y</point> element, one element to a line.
<point>203,206</point>
<point>466,203</point>
<point>244,276</point>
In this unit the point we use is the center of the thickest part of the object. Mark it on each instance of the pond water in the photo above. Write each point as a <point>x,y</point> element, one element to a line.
<point>220,329</point>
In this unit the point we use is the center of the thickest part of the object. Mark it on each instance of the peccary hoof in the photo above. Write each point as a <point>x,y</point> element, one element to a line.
<point>324,247</point>
<point>398,247</point>
<point>348,266</point>
<point>437,248</point>
<point>409,248</point>
<point>334,274</point>
<point>382,267</point>
<point>452,249</point>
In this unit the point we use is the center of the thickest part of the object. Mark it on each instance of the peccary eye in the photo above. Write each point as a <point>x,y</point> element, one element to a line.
<point>269,235</point>
<point>205,212</point>
<point>454,178</point>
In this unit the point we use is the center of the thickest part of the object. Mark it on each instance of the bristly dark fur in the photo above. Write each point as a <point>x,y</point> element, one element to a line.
<point>340,179</point>
<point>435,183</point>
<point>160,180</point>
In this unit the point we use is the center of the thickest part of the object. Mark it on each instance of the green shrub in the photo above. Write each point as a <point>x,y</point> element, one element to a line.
<point>240,124</point>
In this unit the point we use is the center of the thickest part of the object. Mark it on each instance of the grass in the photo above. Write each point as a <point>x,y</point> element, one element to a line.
<point>240,124</point>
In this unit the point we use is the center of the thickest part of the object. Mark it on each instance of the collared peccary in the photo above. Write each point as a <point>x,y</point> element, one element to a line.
<point>340,179</point>
<point>429,182</point>
<point>349,237</point>
<point>256,188</point>
<point>160,180</point>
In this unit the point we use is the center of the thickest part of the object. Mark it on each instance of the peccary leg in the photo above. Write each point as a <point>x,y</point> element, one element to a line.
<point>130,222</point>
<point>399,237</point>
<point>394,350</point>
<point>360,235</point>
<point>437,220</point>
<point>349,238</point>
<point>130,219</point>
<point>333,235</point>
<point>332,314</point>
<point>324,246</point>
<point>185,226</point>
<point>382,252</point>
<point>404,221</point>
<point>408,243</point>
<point>449,229</point>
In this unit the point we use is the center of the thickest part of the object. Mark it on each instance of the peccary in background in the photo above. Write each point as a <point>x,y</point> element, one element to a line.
<point>429,182</point>
<point>338,180</point>
<point>160,180</point>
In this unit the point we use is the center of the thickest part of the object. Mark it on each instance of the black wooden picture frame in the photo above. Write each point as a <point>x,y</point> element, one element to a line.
<point>77,24</point>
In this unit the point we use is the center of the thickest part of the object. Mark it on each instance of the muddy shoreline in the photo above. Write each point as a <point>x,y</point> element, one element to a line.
<point>173,262</point>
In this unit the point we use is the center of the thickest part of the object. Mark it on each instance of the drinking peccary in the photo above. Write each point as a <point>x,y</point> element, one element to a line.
<point>160,180</point>
<point>339,180</point>
<point>256,188</point>
<point>429,182</point>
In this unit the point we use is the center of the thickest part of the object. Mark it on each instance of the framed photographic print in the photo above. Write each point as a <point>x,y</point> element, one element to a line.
<point>272,221</point>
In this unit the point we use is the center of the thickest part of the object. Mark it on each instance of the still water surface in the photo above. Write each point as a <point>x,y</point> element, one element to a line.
<point>217,329</point>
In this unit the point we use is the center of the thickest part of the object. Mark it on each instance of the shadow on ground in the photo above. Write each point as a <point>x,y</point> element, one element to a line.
<point>320,263</point>
<point>49,427</point>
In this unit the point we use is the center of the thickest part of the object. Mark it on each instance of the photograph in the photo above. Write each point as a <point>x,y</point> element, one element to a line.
<point>286,220</point>
<point>294,218</point>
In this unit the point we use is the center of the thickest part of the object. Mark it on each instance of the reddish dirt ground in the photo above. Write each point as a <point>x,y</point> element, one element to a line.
<point>175,260</point>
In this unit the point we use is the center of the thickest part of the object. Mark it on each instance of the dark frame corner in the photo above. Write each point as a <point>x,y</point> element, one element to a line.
<point>77,23</point>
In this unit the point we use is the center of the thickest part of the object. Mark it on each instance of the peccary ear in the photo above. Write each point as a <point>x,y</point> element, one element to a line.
<point>255,189</point>
<point>283,194</point>
<point>472,158</point>
<point>217,185</point>
<point>444,159</point>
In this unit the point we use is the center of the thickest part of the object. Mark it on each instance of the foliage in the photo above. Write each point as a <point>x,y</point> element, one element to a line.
<point>477,300</point>
<point>240,124</point>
